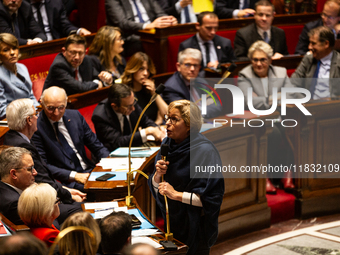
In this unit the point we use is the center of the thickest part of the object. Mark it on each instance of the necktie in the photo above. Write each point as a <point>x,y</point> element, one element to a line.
<point>76,75</point>
<point>126,128</point>
<point>186,13</point>
<point>15,26</point>
<point>69,151</point>
<point>207,53</point>
<point>315,79</point>
<point>138,12</point>
<point>40,20</point>
<point>265,37</point>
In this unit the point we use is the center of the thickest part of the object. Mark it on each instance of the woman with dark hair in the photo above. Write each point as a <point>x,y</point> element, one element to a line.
<point>105,52</point>
<point>138,72</point>
<point>15,80</point>
<point>194,198</point>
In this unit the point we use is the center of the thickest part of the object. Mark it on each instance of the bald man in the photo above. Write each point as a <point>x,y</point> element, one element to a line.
<point>61,139</point>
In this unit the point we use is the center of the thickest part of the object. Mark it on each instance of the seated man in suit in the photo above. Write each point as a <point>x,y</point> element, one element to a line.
<point>116,231</point>
<point>72,70</point>
<point>17,173</point>
<point>262,29</point>
<point>227,9</point>
<point>322,65</point>
<point>115,118</point>
<point>22,122</point>
<point>181,9</point>
<point>52,19</point>
<point>180,85</point>
<point>61,137</point>
<point>330,17</point>
<point>133,15</point>
<point>16,18</point>
<point>215,49</point>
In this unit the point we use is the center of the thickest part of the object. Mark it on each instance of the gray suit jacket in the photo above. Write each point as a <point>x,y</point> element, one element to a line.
<point>277,79</point>
<point>307,68</point>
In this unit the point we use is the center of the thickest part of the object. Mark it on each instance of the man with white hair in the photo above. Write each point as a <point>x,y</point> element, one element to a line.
<point>22,122</point>
<point>178,85</point>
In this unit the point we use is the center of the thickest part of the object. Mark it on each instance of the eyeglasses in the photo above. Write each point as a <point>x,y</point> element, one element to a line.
<point>74,53</point>
<point>262,60</point>
<point>58,200</point>
<point>173,120</point>
<point>324,15</point>
<point>129,107</point>
<point>29,169</point>
<point>188,65</point>
<point>52,108</point>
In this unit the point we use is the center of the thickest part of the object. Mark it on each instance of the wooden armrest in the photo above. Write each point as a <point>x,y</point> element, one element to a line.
<point>12,226</point>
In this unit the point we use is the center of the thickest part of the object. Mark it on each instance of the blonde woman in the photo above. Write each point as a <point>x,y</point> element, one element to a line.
<point>38,208</point>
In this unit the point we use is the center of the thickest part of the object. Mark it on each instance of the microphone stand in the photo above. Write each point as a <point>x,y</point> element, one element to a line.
<point>129,197</point>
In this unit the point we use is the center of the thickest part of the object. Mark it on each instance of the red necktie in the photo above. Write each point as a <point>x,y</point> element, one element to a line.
<point>76,75</point>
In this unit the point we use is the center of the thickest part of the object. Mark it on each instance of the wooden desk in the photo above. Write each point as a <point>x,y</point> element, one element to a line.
<point>316,140</point>
<point>13,227</point>
<point>182,248</point>
<point>3,131</point>
<point>108,190</point>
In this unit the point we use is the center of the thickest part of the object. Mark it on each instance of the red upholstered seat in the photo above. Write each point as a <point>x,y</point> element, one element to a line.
<point>38,69</point>
<point>173,45</point>
<point>292,36</point>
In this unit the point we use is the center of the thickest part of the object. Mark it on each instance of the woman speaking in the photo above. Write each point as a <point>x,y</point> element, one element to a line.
<point>194,198</point>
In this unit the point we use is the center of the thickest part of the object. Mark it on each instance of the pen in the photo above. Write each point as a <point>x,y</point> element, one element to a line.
<point>141,149</point>
<point>102,210</point>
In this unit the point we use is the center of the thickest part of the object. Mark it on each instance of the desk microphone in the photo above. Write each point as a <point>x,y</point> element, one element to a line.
<point>226,74</point>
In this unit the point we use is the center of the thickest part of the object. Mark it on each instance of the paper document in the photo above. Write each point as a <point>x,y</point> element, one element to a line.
<point>100,205</point>
<point>147,240</point>
<point>121,164</point>
<point>136,152</point>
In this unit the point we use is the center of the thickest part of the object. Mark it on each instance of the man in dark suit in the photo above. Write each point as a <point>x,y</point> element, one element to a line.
<point>22,122</point>
<point>72,70</point>
<point>329,18</point>
<point>16,18</point>
<point>179,85</point>
<point>215,49</point>
<point>61,137</point>
<point>16,173</point>
<point>227,9</point>
<point>115,118</point>
<point>262,29</point>
<point>133,15</point>
<point>52,19</point>
<point>182,10</point>
<point>321,67</point>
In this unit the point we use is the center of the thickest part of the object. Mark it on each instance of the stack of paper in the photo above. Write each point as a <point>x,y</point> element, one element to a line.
<point>135,152</point>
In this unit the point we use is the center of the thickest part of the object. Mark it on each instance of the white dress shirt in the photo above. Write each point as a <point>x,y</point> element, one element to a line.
<point>142,10</point>
<point>212,50</point>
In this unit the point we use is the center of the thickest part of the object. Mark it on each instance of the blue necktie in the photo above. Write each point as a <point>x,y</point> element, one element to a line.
<point>187,15</point>
<point>207,53</point>
<point>315,79</point>
<point>265,37</point>
<point>126,128</point>
<point>63,142</point>
<point>138,12</point>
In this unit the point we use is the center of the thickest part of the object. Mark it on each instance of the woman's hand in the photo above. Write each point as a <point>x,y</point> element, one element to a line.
<point>105,77</point>
<point>166,188</point>
<point>150,86</point>
<point>161,168</point>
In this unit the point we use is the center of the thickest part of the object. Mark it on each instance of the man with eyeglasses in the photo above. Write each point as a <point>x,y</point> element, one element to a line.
<point>16,173</point>
<point>73,71</point>
<point>262,29</point>
<point>330,18</point>
<point>22,122</point>
<point>61,139</point>
<point>215,49</point>
<point>115,118</point>
<point>179,85</point>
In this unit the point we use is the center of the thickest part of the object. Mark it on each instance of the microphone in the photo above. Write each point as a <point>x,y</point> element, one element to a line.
<point>159,90</point>
<point>229,70</point>
<point>164,151</point>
